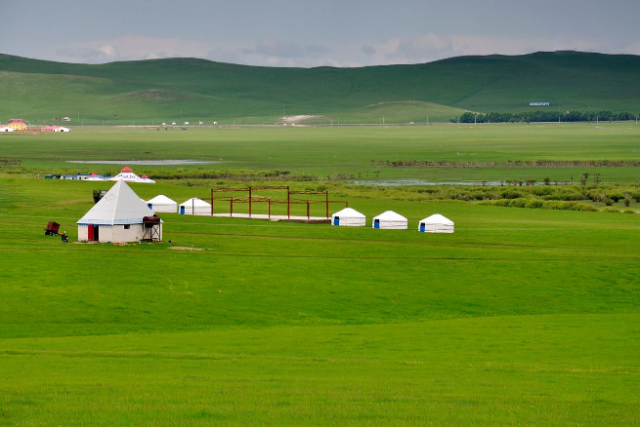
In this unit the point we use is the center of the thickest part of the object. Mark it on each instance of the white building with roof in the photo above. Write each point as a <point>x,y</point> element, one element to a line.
<point>162,203</point>
<point>436,223</point>
<point>128,175</point>
<point>349,218</point>
<point>119,217</point>
<point>195,206</point>
<point>390,220</point>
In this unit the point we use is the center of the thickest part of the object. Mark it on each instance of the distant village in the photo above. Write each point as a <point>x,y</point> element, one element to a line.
<point>20,125</point>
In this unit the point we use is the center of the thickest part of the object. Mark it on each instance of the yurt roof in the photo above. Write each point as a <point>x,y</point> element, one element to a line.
<point>349,212</point>
<point>437,219</point>
<point>390,216</point>
<point>121,205</point>
<point>162,200</point>
<point>196,202</point>
<point>126,169</point>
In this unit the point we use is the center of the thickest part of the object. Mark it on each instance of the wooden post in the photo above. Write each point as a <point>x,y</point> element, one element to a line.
<point>308,209</point>
<point>249,202</point>
<point>231,207</point>
<point>269,208</point>
<point>326,193</point>
<point>212,202</point>
<point>288,203</point>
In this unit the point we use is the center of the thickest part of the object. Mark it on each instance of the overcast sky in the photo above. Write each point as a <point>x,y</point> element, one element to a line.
<point>307,33</point>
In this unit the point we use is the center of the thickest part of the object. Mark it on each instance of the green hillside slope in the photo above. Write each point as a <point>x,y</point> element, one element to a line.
<point>193,89</point>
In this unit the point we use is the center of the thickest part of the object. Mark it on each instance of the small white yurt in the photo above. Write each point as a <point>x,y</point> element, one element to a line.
<point>348,217</point>
<point>195,207</point>
<point>435,223</point>
<point>162,203</point>
<point>390,220</point>
<point>119,217</point>
<point>6,129</point>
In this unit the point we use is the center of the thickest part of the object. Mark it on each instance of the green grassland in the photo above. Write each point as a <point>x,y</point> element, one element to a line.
<point>522,317</point>
<point>339,151</point>
<point>192,89</point>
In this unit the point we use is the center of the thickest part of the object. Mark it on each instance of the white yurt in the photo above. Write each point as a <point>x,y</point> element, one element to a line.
<point>435,223</point>
<point>120,216</point>
<point>390,220</point>
<point>162,203</point>
<point>348,217</point>
<point>195,207</point>
<point>6,129</point>
<point>128,175</point>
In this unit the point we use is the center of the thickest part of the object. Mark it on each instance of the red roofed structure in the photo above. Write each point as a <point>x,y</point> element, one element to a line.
<point>126,169</point>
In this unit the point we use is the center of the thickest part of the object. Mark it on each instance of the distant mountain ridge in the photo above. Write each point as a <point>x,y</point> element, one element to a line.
<point>195,89</point>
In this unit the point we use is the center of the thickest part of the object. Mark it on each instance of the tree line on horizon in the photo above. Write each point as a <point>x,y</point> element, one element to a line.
<point>546,116</point>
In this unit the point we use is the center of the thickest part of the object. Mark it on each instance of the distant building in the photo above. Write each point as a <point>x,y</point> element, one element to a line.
<point>539,104</point>
<point>17,124</point>
<point>128,175</point>
<point>54,129</point>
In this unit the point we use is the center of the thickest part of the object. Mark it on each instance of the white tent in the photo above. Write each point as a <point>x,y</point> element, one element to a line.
<point>436,223</point>
<point>348,217</point>
<point>195,207</point>
<point>118,217</point>
<point>162,203</point>
<point>390,220</point>
<point>6,129</point>
<point>128,175</point>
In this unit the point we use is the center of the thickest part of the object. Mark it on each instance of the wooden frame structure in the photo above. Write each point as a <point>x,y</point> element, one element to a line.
<point>251,199</point>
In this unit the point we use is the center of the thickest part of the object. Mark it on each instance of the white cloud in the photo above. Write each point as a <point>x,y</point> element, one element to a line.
<point>274,52</point>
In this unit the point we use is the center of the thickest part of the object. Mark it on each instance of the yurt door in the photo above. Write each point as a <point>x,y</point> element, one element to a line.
<point>422,227</point>
<point>96,233</point>
<point>90,233</point>
<point>150,206</point>
<point>181,210</point>
<point>336,220</point>
<point>376,223</point>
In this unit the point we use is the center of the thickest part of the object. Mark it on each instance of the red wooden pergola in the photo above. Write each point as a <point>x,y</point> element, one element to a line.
<point>251,199</point>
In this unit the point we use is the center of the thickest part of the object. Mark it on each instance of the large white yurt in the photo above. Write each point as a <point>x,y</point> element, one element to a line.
<point>435,223</point>
<point>195,207</point>
<point>390,220</point>
<point>348,217</point>
<point>120,216</point>
<point>162,203</point>
<point>128,175</point>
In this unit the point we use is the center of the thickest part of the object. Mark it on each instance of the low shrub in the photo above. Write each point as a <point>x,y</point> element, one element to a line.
<point>610,210</point>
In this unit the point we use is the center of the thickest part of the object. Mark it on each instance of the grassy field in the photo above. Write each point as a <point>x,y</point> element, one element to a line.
<point>187,89</point>
<point>339,151</point>
<point>523,317</point>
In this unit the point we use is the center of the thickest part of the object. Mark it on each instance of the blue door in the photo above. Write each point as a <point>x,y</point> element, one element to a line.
<point>336,220</point>
<point>376,223</point>
<point>181,210</point>
<point>149,205</point>
<point>422,227</point>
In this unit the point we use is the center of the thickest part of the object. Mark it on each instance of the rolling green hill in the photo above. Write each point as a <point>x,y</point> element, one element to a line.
<point>196,89</point>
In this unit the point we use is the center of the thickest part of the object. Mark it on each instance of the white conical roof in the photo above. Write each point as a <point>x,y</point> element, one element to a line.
<point>348,212</point>
<point>437,219</point>
<point>390,216</point>
<point>196,202</point>
<point>121,205</point>
<point>161,200</point>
